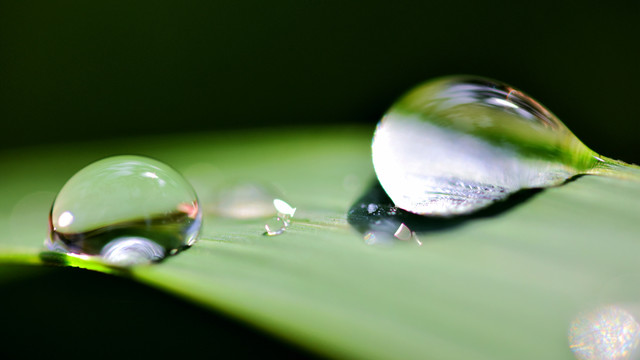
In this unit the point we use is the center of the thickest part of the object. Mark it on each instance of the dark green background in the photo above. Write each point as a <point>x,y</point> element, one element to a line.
<point>77,70</point>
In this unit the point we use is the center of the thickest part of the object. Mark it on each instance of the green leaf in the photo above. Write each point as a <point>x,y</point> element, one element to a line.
<point>502,287</point>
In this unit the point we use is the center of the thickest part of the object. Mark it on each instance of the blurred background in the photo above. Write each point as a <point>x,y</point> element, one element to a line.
<point>77,70</point>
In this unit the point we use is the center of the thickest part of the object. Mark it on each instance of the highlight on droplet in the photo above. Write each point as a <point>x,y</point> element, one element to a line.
<point>65,219</point>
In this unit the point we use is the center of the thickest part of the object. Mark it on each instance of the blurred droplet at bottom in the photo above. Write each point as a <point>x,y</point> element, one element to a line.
<point>608,333</point>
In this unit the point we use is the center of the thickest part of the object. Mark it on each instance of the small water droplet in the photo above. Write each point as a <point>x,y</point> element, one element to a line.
<point>371,208</point>
<point>245,201</point>
<point>608,333</point>
<point>457,144</point>
<point>125,210</point>
<point>275,226</point>
<point>279,224</point>
<point>403,232</point>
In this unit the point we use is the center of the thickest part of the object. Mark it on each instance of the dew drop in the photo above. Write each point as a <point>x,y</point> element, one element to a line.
<point>372,208</point>
<point>405,234</point>
<point>124,210</point>
<point>245,201</point>
<point>275,226</point>
<point>282,220</point>
<point>457,144</point>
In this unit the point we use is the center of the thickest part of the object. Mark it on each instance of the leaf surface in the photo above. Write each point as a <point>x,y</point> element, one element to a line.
<point>502,287</point>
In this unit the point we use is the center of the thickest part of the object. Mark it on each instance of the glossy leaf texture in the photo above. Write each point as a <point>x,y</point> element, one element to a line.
<point>501,287</point>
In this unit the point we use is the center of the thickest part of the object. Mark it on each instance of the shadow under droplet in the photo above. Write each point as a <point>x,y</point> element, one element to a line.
<point>375,212</point>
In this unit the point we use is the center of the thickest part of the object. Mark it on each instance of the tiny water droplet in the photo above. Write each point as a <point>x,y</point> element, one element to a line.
<point>279,224</point>
<point>275,226</point>
<point>125,210</point>
<point>457,144</point>
<point>403,232</point>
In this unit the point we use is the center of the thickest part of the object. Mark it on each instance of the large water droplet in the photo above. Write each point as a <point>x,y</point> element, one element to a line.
<point>125,210</point>
<point>457,144</point>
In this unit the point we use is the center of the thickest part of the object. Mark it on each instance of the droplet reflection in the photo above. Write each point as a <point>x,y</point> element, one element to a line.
<point>127,251</point>
<point>608,333</point>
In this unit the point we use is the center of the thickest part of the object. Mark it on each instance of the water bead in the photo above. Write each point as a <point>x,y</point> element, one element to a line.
<point>275,226</point>
<point>405,234</point>
<point>279,224</point>
<point>244,201</point>
<point>126,210</point>
<point>456,144</point>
